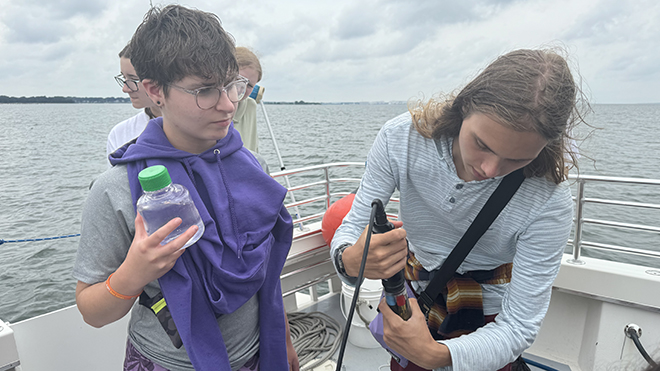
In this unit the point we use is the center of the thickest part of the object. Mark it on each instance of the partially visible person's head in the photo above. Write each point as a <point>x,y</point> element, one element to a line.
<point>124,52</point>
<point>248,67</point>
<point>524,90</point>
<point>175,42</point>
<point>130,82</point>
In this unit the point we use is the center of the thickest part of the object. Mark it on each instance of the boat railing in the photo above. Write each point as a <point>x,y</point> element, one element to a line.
<point>320,185</point>
<point>581,219</point>
<point>321,176</point>
<point>309,275</point>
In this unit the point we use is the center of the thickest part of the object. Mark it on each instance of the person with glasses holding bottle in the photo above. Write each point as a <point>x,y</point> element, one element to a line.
<point>130,128</point>
<point>217,304</point>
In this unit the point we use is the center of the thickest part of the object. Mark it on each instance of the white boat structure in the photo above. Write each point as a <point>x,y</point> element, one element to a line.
<point>594,301</point>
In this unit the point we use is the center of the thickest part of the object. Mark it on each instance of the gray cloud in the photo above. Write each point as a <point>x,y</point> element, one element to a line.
<point>601,24</point>
<point>41,22</point>
<point>391,28</point>
<point>356,49</point>
<point>343,51</point>
<point>621,48</point>
<point>275,38</point>
<point>403,13</point>
<point>66,9</point>
<point>34,30</point>
<point>356,21</point>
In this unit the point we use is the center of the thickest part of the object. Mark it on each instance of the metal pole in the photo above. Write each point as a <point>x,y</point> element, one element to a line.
<point>327,188</point>
<point>279,157</point>
<point>579,210</point>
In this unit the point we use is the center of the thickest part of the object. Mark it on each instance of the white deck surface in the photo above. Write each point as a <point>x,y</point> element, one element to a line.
<point>355,358</point>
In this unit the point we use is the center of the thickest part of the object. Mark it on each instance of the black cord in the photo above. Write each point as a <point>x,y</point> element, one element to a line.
<point>349,317</point>
<point>635,338</point>
<point>633,335</point>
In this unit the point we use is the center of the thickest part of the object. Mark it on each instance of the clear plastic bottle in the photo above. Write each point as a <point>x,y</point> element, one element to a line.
<point>163,201</point>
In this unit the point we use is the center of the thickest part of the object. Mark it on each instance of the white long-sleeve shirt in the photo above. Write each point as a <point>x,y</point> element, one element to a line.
<point>125,131</point>
<point>437,207</point>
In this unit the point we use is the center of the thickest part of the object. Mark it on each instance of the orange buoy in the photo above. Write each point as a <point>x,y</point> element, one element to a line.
<point>334,216</point>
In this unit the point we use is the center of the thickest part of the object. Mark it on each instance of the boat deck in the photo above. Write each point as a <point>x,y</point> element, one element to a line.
<point>593,301</point>
<point>377,359</point>
<point>355,358</point>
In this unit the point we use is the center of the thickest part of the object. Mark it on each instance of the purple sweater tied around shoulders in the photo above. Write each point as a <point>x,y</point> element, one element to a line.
<point>245,244</point>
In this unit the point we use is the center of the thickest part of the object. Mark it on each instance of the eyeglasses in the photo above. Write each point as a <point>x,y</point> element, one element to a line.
<point>131,84</point>
<point>208,97</point>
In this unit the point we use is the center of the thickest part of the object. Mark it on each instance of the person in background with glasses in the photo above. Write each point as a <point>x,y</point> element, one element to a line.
<point>217,304</point>
<point>245,120</point>
<point>130,128</point>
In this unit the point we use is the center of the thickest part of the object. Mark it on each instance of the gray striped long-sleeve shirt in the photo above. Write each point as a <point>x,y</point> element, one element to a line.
<point>437,207</point>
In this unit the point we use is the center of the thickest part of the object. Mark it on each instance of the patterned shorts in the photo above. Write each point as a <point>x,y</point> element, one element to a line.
<point>135,361</point>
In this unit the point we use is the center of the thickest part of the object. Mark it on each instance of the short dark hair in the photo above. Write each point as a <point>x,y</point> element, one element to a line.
<point>175,42</point>
<point>124,53</point>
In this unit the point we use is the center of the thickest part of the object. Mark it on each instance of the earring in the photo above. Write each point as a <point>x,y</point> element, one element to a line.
<point>158,102</point>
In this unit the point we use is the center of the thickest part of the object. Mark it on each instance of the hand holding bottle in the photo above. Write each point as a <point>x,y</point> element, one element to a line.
<point>147,259</point>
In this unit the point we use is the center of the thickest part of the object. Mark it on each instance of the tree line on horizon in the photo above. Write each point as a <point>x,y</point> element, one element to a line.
<point>59,99</point>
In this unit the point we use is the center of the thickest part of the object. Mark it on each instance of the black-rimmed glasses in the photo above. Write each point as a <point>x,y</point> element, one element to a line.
<point>131,84</point>
<point>208,97</point>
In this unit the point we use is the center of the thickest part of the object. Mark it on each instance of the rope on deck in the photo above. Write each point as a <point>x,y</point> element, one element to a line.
<point>38,239</point>
<point>316,337</point>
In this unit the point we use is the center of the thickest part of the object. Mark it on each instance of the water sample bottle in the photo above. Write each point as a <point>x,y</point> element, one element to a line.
<point>163,201</point>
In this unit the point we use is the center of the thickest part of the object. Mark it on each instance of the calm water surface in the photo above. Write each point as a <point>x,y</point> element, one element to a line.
<point>51,153</point>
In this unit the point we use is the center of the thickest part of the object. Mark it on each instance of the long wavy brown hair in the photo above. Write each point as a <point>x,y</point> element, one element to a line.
<point>525,90</point>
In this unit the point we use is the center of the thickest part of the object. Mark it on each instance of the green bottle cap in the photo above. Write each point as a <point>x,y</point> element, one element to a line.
<point>154,178</point>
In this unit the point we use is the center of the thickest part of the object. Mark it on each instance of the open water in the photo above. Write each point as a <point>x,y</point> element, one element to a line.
<point>49,154</point>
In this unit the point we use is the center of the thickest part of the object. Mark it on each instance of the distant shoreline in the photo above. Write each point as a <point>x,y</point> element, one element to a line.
<point>72,100</point>
<point>75,100</point>
<point>59,99</point>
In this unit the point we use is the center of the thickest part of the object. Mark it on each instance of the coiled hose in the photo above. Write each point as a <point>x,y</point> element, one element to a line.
<point>315,336</point>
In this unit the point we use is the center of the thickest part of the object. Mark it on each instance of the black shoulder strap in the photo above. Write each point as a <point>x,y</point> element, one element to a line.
<point>496,202</point>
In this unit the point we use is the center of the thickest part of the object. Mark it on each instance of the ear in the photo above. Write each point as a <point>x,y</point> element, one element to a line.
<point>154,91</point>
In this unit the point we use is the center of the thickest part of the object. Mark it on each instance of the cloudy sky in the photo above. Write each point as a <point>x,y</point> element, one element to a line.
<point>345,50</point>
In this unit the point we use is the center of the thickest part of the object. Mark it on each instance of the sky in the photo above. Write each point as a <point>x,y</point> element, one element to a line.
<point>345,50</point>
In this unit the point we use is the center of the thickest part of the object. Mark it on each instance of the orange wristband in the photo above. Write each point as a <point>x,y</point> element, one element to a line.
<point>116,294</point>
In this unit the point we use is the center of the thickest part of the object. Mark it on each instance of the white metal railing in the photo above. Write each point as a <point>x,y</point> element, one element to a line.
<point>316,187</point>
<point>322,179</point>
<point>325,184</point>
<point>580,220</point>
